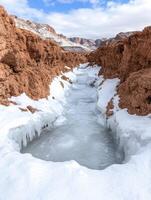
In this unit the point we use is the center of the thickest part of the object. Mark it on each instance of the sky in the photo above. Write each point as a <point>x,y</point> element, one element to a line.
<point>85,18</point>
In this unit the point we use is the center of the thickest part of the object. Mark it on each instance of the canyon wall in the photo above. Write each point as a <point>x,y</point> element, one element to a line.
<point>130,60</point>
<point>28,63</point>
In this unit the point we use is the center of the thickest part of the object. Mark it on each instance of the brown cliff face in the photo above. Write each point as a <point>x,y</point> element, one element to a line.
<point>130,60</point>
<point>27,62</point>
<point>135,92</point>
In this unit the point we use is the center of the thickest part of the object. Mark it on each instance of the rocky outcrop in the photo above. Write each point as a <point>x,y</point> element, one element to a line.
<point>120,36</point>
<point>135,92</point>
<point>27,62</point>
<point>94,44</point>
<point>90,43</point>
<point>129,59</point>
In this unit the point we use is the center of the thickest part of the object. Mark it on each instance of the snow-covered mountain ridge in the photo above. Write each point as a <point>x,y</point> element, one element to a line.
<point>75,44</point>
<point>47,32</point>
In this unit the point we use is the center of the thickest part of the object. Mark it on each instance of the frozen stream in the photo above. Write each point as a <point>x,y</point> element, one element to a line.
<point>80,137</point>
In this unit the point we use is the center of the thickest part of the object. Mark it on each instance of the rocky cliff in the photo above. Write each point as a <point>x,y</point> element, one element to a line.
<point>90,43</point>
<point>94,44</point>
<point>27,62</point>
<point>129,59</point>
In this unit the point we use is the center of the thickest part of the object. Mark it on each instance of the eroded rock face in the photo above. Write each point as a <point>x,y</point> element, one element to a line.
<point>135,92</point>
<point>27,62</point>
<point>130,60</point>
<point>92,44</point>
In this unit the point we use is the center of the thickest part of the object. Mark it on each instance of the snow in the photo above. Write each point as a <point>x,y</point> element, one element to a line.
<point>45,33</point>
<point>80,137</point>
<point>106,91</point>
<point>133,131</point>
<point>26,177</point>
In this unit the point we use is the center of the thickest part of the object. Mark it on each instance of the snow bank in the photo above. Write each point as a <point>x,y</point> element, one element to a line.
<point>18,127</point>
<point>106,91</point>
<point>25,177</point>
<point>133,137</point>
<point>130,131</point>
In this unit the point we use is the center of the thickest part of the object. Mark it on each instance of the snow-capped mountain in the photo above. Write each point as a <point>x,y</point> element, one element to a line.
<point>47,32</point>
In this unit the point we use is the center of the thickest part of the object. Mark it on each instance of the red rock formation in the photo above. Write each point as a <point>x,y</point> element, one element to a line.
<point>92,44</point>
<point>27,62</point>
<point>130,60</point>
<point>135,92</point>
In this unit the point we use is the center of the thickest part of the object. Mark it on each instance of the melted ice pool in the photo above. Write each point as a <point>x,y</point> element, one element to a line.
<point>80,137</point>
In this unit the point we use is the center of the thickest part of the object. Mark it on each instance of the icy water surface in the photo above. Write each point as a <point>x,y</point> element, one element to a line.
<point>81,137</point>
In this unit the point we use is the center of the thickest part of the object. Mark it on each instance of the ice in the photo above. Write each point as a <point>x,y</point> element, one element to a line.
<point>23,176</point>
<point>80,137</point>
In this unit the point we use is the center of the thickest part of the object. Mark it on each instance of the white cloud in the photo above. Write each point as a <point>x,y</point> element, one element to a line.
<point>21,8</point>
<point>89,22</point>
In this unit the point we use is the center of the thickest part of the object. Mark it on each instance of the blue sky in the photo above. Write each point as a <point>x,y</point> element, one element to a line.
<point>66,6</point>
<point>58,7</point>
<point>85,18</point>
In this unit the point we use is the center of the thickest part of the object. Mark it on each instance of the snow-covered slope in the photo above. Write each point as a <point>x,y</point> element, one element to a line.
<point>47,32</point>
